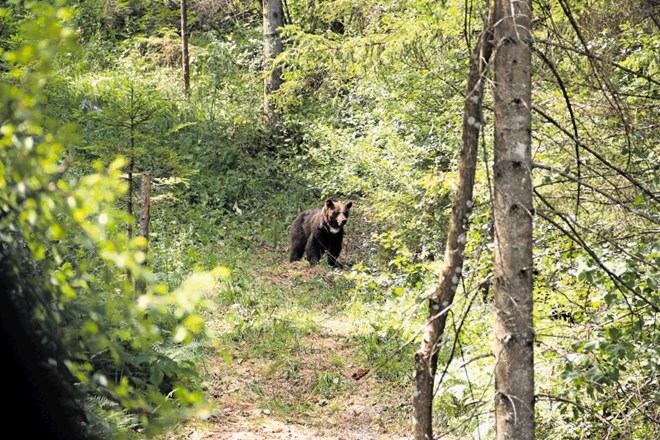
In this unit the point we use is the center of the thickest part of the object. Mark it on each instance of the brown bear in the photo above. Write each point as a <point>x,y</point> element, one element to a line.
<point>318,230</point>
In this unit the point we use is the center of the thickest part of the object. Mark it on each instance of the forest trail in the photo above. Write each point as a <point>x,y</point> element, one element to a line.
<point>291,375</point>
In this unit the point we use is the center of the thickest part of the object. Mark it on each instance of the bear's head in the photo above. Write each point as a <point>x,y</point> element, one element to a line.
<point>335,215</point>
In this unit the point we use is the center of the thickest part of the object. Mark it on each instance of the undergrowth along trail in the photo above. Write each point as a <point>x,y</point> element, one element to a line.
<point>292,359</point>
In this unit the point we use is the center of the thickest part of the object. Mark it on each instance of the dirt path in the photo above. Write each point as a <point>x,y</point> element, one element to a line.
<point>309,392</point>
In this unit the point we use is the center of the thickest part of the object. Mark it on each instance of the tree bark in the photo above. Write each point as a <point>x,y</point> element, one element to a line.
<point>514,332</point>
<point>426,359</point>
<point>273,19</point>
<point>131,170</point>
<point>184,49</point>
<point>145,217</point>
<point>145,204</point>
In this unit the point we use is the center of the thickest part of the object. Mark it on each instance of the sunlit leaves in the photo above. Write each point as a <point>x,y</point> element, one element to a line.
<point>73,228</point>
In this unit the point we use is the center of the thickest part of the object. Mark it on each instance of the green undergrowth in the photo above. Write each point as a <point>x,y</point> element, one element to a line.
<point>302,332</point>
<point>270,305</point>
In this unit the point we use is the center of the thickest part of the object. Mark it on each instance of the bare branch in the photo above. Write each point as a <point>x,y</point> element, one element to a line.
<point>584,409</point>
<point>476,358</point>
<point>602,60</point>
<point>575,236</point>
<point>598,156</point>
<point>624,205</point>
<point>605,83</point>
<point>457,332</point>
<point>560,82</point>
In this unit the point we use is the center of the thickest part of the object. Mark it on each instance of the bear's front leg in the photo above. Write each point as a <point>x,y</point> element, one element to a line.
<point>334,250</point>
<point>313,250</point>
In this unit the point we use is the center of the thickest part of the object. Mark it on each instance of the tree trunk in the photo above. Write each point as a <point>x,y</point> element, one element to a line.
<point>145,204</point>
<point>145,216</point>
<point>426,359</point>
<point>514,332</point>
<point>129,174</point>
<point>184,49</point>
<point>131,165</point>
<point>273,16</point>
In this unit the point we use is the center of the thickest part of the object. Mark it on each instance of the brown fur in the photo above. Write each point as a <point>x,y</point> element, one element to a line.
<point>316,231</point>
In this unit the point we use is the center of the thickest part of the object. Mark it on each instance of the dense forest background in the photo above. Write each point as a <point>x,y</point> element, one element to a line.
<point>139,335</point>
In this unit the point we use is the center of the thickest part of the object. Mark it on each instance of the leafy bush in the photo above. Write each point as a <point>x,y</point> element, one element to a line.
<point>121,347</point>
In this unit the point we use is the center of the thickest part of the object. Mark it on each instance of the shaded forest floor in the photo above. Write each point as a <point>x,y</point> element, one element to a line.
<point>288,362</point>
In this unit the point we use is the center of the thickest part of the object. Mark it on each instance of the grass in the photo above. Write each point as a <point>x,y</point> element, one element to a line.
<point>286,339</point>
<point>286,347</point>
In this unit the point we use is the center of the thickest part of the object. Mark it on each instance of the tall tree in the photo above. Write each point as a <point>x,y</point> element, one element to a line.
<point>426,359</point>
<point>514,333</point>
<point>273,15</point>
<point>185,60</point>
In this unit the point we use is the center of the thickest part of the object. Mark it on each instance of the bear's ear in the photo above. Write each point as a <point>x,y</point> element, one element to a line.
<point>348,205</point>
<point>329,203</point>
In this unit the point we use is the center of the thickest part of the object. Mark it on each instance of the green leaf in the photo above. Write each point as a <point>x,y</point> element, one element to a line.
<point>194,323</point>
<point>613,333</point>
<point>156,376</point>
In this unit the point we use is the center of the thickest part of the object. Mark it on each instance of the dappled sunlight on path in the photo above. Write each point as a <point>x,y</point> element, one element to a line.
<point>312,384</point>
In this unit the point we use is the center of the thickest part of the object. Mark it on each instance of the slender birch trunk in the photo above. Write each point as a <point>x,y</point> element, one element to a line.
<point>426,359</point>
<point>273,19</point>
<point>514,332</point>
